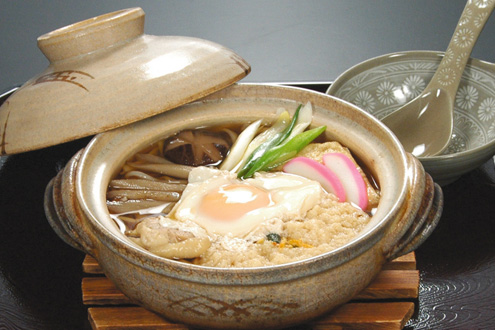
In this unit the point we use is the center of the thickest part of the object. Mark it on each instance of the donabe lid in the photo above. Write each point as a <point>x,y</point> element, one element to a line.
<point>105,73</point>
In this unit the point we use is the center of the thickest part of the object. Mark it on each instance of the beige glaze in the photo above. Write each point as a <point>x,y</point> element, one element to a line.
<point>105,73</point>
<point>246,298</point>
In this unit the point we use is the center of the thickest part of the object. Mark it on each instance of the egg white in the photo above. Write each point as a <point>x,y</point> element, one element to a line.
<point>291,196</point>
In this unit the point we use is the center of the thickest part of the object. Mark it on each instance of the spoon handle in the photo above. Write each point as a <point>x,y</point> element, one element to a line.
<point>469,27</point>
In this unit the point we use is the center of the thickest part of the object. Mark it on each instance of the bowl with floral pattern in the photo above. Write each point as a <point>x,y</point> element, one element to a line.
<point>382,84</point>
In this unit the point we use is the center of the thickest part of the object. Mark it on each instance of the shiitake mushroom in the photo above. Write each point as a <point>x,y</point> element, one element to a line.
<point>198,147</point>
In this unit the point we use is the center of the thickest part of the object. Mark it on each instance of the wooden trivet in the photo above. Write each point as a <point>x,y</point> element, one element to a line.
<point>387,303</point>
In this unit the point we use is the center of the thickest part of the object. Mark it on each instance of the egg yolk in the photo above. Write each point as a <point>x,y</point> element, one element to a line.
<point>231,202</point>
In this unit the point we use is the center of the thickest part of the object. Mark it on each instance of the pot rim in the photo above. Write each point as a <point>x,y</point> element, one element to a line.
<point>358,245</point>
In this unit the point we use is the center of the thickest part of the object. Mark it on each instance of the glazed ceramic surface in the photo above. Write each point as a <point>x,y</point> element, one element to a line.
<point>383,84</point>
<point>105,73</point>
<point>268,297</point>
<point>425,125</point>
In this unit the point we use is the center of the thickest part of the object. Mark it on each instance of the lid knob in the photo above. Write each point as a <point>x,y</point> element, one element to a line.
<point>92,34</point>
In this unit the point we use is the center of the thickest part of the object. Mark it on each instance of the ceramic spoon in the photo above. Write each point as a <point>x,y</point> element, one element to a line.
<point>424,125</point>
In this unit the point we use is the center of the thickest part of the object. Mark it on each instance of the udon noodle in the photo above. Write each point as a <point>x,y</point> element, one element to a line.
<point>188,198</point>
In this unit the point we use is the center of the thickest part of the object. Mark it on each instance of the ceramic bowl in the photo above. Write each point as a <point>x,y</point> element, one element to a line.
<point>383,84</point>
<point>246,298</point>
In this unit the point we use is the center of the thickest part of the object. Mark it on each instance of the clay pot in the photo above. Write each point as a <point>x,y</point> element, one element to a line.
<point>269,297</point>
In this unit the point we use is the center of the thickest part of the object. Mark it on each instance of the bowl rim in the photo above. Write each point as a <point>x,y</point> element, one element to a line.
<point>414,54</point>
<point>238,275</point>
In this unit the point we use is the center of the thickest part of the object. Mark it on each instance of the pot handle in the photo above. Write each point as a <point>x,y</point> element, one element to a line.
<point>420,215</point>
<point>63,212</point>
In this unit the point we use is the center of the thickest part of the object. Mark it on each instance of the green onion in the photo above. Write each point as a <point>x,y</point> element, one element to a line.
<point>240,146</point>
<point>303,120</point>
<point>282,153</point>
<point>280,125</point>
<point>262,148</point>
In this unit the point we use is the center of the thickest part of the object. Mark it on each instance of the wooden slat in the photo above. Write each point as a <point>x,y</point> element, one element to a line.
<point>101,291</point>
<point>91,265</point>
<point>384,304</point>
<point>405,262</point>
<point>383,316</point>
<point>389,284</point>
<point>368,316</point>
<point>127,318</point>
<point>392,284</point>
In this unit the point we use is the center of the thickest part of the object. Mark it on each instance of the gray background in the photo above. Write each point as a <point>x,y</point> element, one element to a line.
<point>284,41</point>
